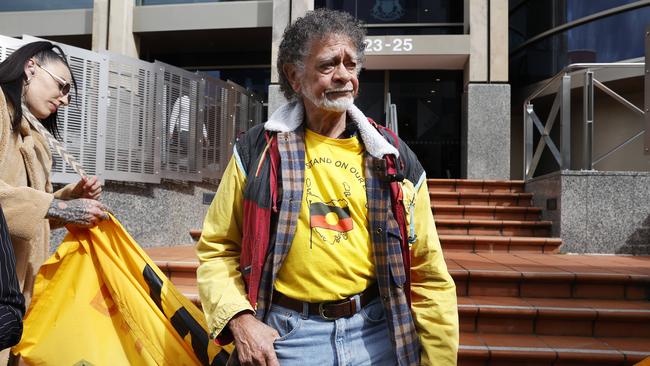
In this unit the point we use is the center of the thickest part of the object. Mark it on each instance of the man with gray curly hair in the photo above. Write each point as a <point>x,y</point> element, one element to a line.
<point>320,246</point>
<point>295,49</point>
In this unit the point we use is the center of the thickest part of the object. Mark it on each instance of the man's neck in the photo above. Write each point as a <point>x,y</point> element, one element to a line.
<point>325,123</point>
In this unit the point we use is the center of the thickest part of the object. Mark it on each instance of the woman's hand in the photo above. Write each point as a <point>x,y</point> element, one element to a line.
<point>87,187</point>
<point>81,212</point>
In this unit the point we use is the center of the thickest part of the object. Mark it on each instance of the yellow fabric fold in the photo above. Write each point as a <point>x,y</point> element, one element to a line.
<point>100,300</point>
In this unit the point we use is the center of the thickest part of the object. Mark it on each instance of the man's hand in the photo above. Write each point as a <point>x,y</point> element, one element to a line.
<point>81,212</point>
<point>253,340</point>
<point>87,187</point>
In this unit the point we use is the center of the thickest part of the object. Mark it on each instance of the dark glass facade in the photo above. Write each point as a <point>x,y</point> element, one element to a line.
<point>529,18</point>
<point>613,38</point>
<point>428,111</point>
<point>167,2</point>
<point>27,5</point>
<point>256,80</point>
<point>402,17</point>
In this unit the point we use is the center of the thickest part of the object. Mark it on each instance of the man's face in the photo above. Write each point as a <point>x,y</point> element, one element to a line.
<point>329,81</point>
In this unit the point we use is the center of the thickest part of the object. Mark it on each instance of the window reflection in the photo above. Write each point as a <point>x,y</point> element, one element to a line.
<point>167,2</point>
<point>529,18</point>
<point>428,112</point>
<point>256,80</point>
<point>580,9</point>
<point>426,14</point>
<point>26,5</point>
<point>615,38</point>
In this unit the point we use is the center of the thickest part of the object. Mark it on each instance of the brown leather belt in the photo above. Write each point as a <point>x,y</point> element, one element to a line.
<point>329,310</point>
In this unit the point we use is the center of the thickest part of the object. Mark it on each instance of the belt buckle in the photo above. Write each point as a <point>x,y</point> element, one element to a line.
<point>321,311</point>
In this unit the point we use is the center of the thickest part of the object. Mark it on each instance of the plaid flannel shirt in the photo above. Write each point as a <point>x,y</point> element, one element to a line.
<point>385,240</point>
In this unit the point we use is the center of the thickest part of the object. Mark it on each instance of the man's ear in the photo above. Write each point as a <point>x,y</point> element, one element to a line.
<point>291,72</point>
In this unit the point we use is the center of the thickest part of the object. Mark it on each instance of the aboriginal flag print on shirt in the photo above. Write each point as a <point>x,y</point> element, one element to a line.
<point>330,217</point>
<point>331,253</point>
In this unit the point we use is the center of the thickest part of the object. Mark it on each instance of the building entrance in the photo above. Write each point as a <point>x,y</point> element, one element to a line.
<point>428,104</point>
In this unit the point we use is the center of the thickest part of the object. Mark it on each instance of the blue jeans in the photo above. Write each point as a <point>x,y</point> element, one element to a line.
<point>362,339</point>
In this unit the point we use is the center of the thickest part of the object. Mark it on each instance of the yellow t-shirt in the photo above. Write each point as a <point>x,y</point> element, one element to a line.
<point>331,254</point>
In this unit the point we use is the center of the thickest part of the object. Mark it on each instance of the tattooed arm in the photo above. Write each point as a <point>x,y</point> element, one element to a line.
<point>80,212</point>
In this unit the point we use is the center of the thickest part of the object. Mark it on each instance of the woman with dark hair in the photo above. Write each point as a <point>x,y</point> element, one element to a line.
<point>36,81</point>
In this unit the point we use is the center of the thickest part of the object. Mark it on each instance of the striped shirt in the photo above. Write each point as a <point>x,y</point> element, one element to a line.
<point>12,302</point>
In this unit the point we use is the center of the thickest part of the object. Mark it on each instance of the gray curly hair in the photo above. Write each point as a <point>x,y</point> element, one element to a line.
<point>316,25</point>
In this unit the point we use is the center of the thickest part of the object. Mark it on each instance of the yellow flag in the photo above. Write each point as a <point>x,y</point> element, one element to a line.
<point>645,362</point>
<point>100,300</point>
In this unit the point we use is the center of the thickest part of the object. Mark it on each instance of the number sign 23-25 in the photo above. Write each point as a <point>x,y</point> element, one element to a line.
<point>388,45</point>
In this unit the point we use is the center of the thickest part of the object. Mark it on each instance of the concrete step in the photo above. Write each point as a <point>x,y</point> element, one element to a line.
<point>525,308</point>
<point>491,244</point>
<point>493,227</point>
<point>533,275</point>
<point>532,350</point>
<point>519,304</point>
<point>481,198</point>
<point>474,185</point>
<point>540,316</point>
<point>527,275</point>
<point>485,212</point>
<point>560,317</point>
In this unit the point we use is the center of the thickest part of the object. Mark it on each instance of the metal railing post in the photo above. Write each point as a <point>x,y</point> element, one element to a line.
<point>562,103</point>
<point>393,118</point>
<point>528,140</point>
<point>646,112</point>
<point>200,126</point>
<point>231,127</point>
<point>565,123</point>
<point>588,117</point>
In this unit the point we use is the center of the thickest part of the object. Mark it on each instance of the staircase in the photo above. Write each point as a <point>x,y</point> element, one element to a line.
<point>519,302</point>
<point>480,216</point>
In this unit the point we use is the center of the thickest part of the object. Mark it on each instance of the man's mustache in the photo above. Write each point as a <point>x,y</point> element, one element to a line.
<point>339,90</point>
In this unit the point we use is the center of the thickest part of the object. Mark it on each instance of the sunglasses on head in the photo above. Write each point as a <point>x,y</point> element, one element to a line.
<point>64,86</point>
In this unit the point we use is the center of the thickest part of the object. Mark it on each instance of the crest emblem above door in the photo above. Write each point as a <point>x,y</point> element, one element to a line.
<point>387,10</point>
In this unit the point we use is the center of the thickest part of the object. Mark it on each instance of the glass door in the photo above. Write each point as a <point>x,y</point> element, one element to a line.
<point>428,113</point>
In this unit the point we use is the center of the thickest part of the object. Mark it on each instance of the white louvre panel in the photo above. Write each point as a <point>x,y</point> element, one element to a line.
<point>136,121</point>
<point>182,123</point>
<point>82,124</point>
<point>217,147</point>
<point>133,140</point>
<point>8,45</point>
<point>242,97</point>
<point>255,111</point>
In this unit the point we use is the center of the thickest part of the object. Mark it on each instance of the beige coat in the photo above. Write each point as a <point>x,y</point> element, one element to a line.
<point>26,194</point>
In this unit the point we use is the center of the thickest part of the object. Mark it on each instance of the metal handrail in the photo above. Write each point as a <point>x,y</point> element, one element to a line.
<point>578,67</point>
<point>562,104</point>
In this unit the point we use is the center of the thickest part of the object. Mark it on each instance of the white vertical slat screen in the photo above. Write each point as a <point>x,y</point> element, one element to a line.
<point>137,121</point>
<point>216,116</point>
<point>8,45</point>
<point>133,139</point>
<point>241,96</point>
<point>182,120</point>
